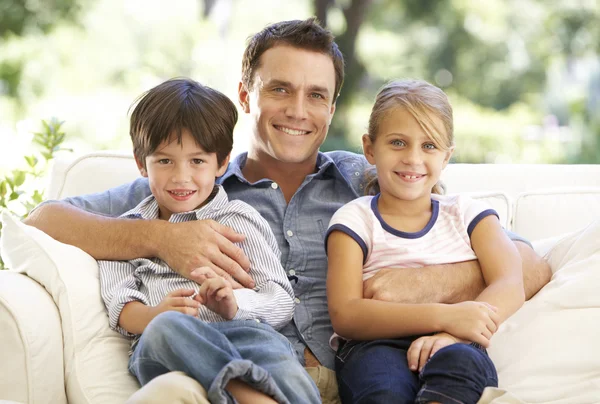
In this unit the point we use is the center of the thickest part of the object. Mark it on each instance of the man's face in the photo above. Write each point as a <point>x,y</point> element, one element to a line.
<point>291,104</point>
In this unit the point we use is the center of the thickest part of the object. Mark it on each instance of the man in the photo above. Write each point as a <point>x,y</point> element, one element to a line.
<point>292,73</point>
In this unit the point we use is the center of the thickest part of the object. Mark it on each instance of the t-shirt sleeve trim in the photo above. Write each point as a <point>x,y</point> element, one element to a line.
<point>479,218</point>
<point>351,233</point>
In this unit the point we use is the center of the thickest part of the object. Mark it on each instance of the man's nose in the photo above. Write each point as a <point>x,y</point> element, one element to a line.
<point>296,107</point>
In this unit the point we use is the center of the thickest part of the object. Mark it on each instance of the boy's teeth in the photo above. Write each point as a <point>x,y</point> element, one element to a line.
<point>181,193</point>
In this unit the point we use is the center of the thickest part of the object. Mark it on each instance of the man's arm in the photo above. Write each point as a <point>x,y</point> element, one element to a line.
<point>450,283</point>
<point>183,246</point>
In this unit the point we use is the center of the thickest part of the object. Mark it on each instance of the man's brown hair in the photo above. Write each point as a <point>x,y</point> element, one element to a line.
<point>302,34</point>
<point>163,112</point>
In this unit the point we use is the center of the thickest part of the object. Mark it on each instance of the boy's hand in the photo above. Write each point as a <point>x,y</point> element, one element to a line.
<point>178,300</point>
<point>422,349</point>
<point>216,293</point>
<point>472,321</point>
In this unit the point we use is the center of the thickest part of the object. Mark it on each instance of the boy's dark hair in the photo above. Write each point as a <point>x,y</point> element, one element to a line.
<point>302,34</point>
<point>164,111</point>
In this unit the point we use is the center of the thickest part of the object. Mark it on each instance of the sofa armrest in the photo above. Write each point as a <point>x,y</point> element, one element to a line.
<point>31,348</point>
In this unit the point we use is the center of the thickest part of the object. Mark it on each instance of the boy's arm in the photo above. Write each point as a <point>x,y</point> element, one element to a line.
<point>450,283</point>
<point>272,300</point>
<point>500,266</point>
<point>119,288</point>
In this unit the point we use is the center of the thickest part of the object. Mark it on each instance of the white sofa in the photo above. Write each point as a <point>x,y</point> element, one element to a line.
<point>55,345</point>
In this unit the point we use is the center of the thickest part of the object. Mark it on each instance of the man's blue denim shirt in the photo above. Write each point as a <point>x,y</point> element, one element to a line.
<point>299,228</point>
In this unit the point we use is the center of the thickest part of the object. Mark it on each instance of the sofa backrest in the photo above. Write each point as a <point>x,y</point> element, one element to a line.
<point>534,200</point>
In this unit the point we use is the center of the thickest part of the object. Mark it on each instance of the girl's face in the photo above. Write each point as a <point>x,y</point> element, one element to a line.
<point>408,162</point>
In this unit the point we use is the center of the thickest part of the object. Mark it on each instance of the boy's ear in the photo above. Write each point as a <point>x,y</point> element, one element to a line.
<point>223,166</point>
<point>243,97</point>
<point>448,156</point>
<point>141,167</point>
<point>368,149</point>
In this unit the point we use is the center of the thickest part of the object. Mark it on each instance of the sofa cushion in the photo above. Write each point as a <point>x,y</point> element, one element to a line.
<point>547,213</point>
<point>95,357</point>
<point>545,351</point>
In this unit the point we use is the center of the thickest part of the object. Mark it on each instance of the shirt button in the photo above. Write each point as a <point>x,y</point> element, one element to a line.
<point>357,173</point>
<point>257,320</point>
<point>292,272</point>
<point>290,233</point>
<point>274,185</point>
<point>297,300</point>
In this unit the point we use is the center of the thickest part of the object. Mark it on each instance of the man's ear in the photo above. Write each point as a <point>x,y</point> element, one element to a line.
<point>141,167</point>
<point>331,112</point>
<point>448,156</point>
<point>244,97</point>
<point>223,166</point>
<point>368,149</point>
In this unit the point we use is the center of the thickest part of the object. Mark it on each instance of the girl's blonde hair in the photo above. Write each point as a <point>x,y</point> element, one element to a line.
<point>422,100</point>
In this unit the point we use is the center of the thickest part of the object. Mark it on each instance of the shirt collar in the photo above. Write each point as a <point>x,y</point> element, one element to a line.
<point>238,162</point>
<point>148,208</point>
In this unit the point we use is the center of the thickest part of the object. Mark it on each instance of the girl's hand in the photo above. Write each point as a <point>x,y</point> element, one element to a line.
<point>472,321</point>
<point>216,293</point>
<point>178,300</point>
<point>422,349</point>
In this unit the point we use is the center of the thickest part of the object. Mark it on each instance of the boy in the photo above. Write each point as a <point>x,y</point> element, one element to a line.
<point>182,134</point>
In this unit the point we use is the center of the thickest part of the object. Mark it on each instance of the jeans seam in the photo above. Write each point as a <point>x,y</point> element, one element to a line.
<point>424,389</point>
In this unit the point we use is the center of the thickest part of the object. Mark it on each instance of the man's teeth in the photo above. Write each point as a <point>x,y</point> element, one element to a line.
<point>292,131</point>
<point>182,193</point>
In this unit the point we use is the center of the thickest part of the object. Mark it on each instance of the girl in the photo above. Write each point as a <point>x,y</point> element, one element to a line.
<point>392,352</point>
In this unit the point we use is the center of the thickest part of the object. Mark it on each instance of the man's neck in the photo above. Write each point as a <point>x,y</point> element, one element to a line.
<point>289,176</point>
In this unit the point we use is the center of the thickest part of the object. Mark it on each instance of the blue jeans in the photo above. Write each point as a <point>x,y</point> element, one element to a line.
<point>378,372</point>
<point>215,353</point>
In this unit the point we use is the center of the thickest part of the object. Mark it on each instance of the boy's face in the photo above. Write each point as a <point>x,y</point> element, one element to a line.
<point>291,103</point>
<point>181,176</point>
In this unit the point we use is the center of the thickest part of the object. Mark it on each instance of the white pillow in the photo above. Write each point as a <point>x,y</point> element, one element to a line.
<point>547,352</point>
<point>95,356</point>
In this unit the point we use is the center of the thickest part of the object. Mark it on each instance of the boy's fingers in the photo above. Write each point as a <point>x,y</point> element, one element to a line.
<point>181,292</point>
<point>413,354</point>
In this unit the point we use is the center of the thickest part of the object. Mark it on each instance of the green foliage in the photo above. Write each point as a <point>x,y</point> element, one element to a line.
<point>16,193</point>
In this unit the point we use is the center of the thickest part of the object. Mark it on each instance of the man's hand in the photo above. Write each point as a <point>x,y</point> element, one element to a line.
<point>178,300</point>
<point>216,293</point>
<point>422,349</point>
<point>204,243</point>
<point>472,321</point>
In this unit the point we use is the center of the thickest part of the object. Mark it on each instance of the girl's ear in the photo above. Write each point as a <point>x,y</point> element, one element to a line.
<point>223,166</point>
<point>368,149</point>
<point>143,171</point>
<point>448,156</point>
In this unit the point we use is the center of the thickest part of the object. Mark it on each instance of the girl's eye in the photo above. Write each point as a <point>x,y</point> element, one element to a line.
<point>397,142</point>
<point>197,161</point>
<point>429,146</point>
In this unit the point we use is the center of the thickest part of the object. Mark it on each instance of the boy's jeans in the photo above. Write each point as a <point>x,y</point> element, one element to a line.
<point>215,353</point>
<point>378,372</point>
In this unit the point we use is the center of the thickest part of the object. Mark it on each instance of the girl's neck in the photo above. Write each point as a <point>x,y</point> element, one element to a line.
<point>407,216</point>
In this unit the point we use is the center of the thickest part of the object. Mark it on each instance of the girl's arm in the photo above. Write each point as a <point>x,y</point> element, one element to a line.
<point>501,267</point>
<point>355,317</point>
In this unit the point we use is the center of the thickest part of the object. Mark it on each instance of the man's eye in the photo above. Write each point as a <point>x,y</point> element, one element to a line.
<point>317,96</point>
<point>279,90</point>
<point>197,161</point>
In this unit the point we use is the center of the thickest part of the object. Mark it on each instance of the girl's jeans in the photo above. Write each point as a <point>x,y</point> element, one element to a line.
<point>378,372</point>
<point>215,353</point>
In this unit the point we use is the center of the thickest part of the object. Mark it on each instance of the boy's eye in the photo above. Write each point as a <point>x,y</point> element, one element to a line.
<point>197,161</point>
<point>163,161</point>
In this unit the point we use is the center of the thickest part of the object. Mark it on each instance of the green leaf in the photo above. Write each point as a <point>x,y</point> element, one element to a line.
<point>3,188</point>
<point>47,155</point>
<point>19,177</point>
<point>13,196</point>
<point>31,161</point>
